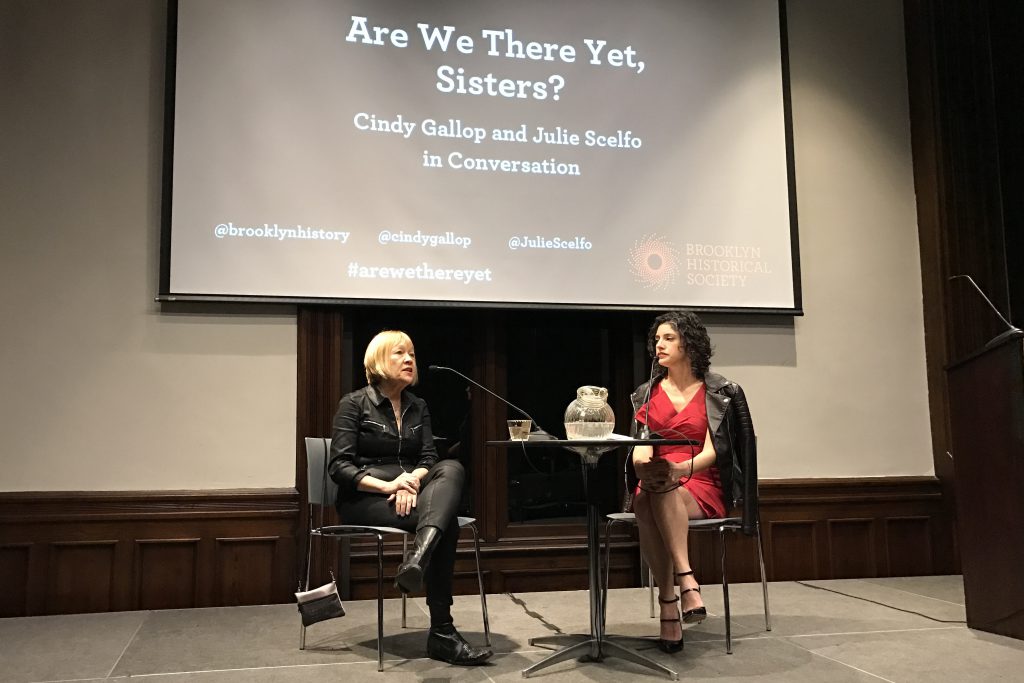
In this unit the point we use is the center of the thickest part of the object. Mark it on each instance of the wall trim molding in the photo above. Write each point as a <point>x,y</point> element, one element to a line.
<point>57,505</point>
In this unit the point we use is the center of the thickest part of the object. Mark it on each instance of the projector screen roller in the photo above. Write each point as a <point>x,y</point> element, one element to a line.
<point>572,153</point>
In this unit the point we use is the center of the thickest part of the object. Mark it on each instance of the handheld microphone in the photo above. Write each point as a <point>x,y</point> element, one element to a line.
<point>1011,329</point>
<point>539,432</point>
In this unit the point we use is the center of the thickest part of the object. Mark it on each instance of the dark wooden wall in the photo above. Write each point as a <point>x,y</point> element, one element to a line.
<point>965,61</point>
<point>966,103</point>
<point>812,529</point>
<point>64,553</point>
<point>95,552</point>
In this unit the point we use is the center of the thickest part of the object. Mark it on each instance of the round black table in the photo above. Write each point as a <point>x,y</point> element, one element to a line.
<point>593,646</point>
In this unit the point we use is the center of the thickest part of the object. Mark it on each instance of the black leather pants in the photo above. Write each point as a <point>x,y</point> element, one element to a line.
<point>436,505</point>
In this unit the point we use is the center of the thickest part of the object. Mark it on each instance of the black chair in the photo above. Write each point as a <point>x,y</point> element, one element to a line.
<point>747,522</point>
<point>322,492</point>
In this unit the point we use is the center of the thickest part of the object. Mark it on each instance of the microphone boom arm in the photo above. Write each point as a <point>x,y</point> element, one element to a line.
<point>504,400</point>
<point>1011,329</point>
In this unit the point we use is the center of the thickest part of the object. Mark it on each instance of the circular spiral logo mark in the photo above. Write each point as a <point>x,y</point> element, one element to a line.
<point>653,262</point>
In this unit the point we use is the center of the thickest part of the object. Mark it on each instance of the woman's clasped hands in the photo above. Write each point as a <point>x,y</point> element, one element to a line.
<point>658,474</point>
<point>403,490</point>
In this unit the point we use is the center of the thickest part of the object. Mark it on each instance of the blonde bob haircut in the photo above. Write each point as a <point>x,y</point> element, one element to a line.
<point>378,352</point>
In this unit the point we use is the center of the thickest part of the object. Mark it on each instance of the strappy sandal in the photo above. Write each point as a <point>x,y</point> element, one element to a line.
<point>670,646</point>
<point>697,614</point>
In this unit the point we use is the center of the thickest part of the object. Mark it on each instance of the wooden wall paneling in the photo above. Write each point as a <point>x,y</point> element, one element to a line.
<point>322,356</point>
<point>965,105</point>
<point>625,566</point>
<point>929,160</point>
<point>851,548</point>
<point>812,529</point>
<point>495,377</point>
<point>741,557</point>
<point>14,570</point>
<point>81,577</point>
<point>527,569</point>
<point>245,570</point>
<point>794,549</point>
<point>67,552</point>
<point>527,579</point>
<point>39,556</point>
<point>705,556</point>
<point>92,547</point>
<point>743,564</point>
<point>908,545</point>
<point>488,418</point>
<point>166,572</point>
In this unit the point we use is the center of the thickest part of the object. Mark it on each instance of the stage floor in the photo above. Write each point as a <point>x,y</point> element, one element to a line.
<point>898,629</point>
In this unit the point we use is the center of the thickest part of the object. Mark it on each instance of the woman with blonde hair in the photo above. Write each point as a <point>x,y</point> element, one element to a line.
<point>388,474</point>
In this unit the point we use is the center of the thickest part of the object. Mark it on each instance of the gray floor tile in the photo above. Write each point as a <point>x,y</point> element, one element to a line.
<point>845,633</point>
<point>897,597</point>
<point>948,588</point>
<point>798,609</point>
<point>394,670</point>
<point>245,637</point>
<point>629,613</point>
<point>268,636</point>
<point>765,659</point>
<point>64,647</point>
<point>938,654</point>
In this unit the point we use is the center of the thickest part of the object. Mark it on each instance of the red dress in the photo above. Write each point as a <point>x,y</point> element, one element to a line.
<point>689,423</point>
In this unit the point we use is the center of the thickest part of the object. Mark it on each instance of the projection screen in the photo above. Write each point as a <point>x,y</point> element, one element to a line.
<point>582,153</point>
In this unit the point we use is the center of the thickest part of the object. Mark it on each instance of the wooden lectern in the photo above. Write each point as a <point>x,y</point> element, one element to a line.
<point>986,392</point>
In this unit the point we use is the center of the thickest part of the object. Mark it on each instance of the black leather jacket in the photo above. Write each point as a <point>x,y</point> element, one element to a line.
<point>732,433</point>
<point>365,439</point>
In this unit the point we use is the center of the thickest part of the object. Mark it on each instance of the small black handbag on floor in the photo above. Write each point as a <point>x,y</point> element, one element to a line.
<point>320,604</point>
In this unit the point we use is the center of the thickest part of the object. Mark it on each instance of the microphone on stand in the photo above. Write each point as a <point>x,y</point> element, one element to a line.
<point>645,431</point>
<point>540,434</point>
<point>1011,329</point>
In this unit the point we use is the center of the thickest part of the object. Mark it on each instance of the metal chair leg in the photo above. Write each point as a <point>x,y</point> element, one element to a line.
<point>305,586</point>
<point>380,602</point>
<point>480,582</point>
<point>725,595</point>
<point>764,582</point>
<point>405,545</point>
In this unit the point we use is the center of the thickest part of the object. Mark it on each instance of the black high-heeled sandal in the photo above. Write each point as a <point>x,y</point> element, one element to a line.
<point>671,646</point>
<point>697,614</point>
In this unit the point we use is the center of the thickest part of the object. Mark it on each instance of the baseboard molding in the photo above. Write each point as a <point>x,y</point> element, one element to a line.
<point>70,552</point>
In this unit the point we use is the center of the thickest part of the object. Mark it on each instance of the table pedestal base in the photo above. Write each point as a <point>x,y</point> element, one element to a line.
<point>590,649</point>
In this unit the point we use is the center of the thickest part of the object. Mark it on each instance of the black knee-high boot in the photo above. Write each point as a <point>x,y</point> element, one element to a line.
<point>410,574</point>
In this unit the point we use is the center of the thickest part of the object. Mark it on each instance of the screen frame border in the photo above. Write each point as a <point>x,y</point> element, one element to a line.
<point>164,293</point>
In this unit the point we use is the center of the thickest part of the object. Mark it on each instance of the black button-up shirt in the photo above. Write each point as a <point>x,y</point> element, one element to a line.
<point>366,440</point>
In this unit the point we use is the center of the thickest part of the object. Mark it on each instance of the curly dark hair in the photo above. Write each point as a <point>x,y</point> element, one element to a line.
<point>695,340</point>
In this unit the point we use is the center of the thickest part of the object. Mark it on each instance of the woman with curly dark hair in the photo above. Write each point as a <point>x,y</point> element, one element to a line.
<point>680,483</point>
